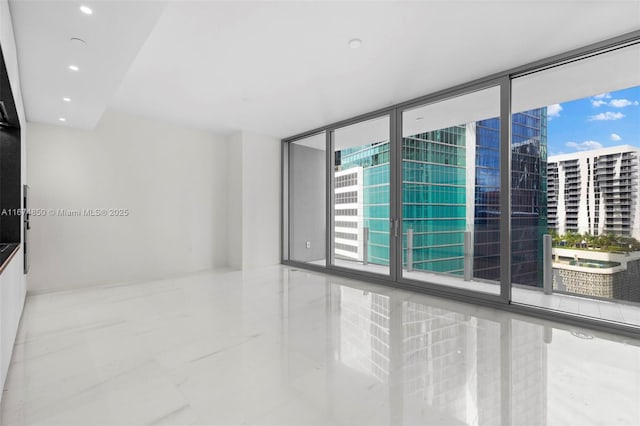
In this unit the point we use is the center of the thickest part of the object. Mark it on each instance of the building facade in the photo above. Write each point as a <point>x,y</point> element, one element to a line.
<point>365,171</point>
<point>528,195</point>
<point>597,274</point>
<point>349,214</point>
<point>450,186</point>
<point>595,192</point>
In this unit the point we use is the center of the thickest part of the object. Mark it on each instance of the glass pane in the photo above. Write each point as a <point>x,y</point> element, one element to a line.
<point>528,194</point>
<point>361,196</point>
<point>586,193</point>
<point>451,192</point>
<point>307,200</point>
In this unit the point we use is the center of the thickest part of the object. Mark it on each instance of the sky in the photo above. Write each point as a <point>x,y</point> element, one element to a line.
<point>604,120</point>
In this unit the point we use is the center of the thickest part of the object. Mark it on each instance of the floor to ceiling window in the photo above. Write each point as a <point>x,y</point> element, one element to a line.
<point>451,191</point>
<point>522,188</point>
<point>360,189</point>
<point>575,177</point>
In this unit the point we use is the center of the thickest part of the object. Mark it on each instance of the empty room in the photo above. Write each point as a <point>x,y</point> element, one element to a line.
<point>320,212</point>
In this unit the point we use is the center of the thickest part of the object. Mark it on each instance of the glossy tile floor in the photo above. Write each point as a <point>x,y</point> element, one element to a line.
<point>609,310</point>
<point>280,346</point>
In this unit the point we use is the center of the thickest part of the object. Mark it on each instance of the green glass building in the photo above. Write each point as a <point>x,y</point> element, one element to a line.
<point>440,168</point>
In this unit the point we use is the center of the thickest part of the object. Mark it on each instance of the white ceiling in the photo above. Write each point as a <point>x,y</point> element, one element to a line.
<point>280,68</point>
<point>43,31</point>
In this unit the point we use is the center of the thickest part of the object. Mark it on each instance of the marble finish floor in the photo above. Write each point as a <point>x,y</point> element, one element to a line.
<point>280,346</point>
<point>609,310</point>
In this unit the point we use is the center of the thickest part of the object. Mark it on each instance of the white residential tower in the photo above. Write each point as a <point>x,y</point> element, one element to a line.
<point>595,191</point>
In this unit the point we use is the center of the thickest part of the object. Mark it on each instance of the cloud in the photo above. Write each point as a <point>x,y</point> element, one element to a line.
<point>615,137</point>
<point>621,103</point>
<point>603,116</point>
<point>554,110</point>
<point>599,100</point>
<point>584,146</point>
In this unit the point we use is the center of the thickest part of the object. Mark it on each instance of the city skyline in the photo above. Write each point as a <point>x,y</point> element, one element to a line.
<point>450,187</point>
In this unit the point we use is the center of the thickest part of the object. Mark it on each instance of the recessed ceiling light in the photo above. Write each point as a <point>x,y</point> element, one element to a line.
<point>354,43</point>
<point>419,118</point>
<point>66,99</point>
<point>86,10</point>
<point>62,119</point>
<point>73,68</point>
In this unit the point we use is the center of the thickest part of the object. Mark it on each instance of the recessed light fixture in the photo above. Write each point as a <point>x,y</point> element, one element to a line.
<point>66,99</point>
<point>419,118</point>
<point>354,43</point>
<point>86,10</point>
<point>62,119</point>
<point>73,68</point>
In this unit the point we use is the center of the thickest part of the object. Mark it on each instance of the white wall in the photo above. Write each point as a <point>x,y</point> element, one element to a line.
<point>234,200</point>
<point>12,281</point>
<point>307,189</point>
<point>261,157</point>
<point>254,200</point>
<point>172,180</point>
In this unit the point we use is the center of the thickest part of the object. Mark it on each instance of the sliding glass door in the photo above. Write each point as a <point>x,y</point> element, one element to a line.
<point>360,196</point>
<point>412,195</point>
<point>451,192</point>
<point>576,179</point>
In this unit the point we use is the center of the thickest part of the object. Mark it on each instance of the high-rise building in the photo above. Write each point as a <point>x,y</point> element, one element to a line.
<point>595,192</point>
<point>434,198</point>
<point>362,197</point>
<point>528,195</point>
<point>450,185</point>
<point>349,227</point>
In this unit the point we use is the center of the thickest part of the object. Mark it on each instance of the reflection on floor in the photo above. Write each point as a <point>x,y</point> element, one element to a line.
<point>627,313</point>
<point>281,346</point>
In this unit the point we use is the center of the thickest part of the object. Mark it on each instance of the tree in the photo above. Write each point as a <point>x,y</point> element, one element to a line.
<point>603,242</point>
<point>591,239</point>
<point>572,239</point>
<point>606,240</point>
